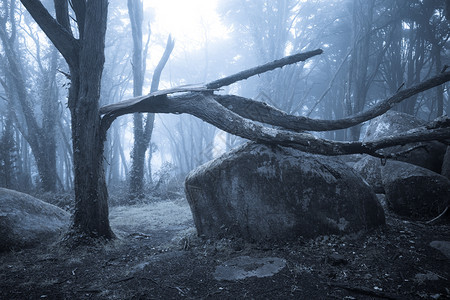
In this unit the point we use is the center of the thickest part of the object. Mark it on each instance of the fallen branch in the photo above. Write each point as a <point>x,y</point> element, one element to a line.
<point>89,291</point>
<point>239,116</point>
<point>365,291</point>
<point>123,280</point>
<point>288,60</point>
<point>262,112</point>
<point>205,107</point>
<point>122,108</point>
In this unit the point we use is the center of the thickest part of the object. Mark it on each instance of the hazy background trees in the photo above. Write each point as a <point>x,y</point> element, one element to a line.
<point>372,49</point>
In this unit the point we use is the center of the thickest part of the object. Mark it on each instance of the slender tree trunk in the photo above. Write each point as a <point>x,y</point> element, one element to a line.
<point>49,121</point>
<point>40,138</point>
<point>362,23</point>
<point>135,10</point>
<point>142,129</point>
<point>440,89</point>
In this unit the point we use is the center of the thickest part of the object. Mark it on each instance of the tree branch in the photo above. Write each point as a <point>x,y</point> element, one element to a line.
<point>79,7</point>
<point>154,87</point>
<point>60,37</point>
<point>161,64</point>
<point>205,107</point>
<point>288,60</point>
<point>134,104</point>
<point>62,14</point>
<point>237,116</point>
<point>262,112</point>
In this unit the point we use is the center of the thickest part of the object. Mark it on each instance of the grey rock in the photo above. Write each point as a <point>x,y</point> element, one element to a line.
<point>442,246</point>
<point>413,191</point>
<point>242,267</point>
<point>351,159</point>
<point>428,155</point>
<point>420,278</point>
<point>26,221</point>
<point>336,259</point>
<point>446,164</point>
<point>369,168</point>
<point>262,192</point>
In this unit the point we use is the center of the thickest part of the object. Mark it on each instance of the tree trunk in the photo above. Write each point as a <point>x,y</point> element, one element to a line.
<point>142,130</point>
<point>91,196</point>
<point>362,27</point>
<point>7,153</point>
<point>85,57</point>
<point>135,10</point>
<point>440,89</point>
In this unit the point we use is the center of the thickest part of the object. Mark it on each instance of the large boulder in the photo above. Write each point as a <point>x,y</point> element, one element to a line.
<point>262,192</point>
<point>26,221</point>
<point>413,191</point>
<point>427,154</point>
<point>369,168</point>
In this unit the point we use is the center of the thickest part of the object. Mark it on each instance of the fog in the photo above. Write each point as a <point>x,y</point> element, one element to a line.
<point>371,50</point>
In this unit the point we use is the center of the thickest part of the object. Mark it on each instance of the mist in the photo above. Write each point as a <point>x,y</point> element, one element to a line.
<point>107,114</point>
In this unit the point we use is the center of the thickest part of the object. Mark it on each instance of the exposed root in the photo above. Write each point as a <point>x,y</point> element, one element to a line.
<point>438,217</point>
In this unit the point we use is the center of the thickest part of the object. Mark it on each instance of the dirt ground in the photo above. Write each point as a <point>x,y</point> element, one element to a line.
<point>159,256</point>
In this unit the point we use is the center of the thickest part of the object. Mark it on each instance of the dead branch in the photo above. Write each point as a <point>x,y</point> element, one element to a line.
<point>288,60</point>
<point>162,63</point>
<point>263,112</point>
<point>205,107</point>
<point>129,104</point>
<point>237,115</point>
<point>364,291</point>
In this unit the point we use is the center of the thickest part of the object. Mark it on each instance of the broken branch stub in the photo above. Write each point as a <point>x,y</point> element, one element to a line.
<point>288,60</point>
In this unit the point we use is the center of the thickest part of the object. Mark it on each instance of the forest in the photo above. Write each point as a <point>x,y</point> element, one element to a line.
<point>147,146</point>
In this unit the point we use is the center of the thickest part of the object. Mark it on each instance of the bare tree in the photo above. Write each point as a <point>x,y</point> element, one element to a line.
<point>39,132</point>
<point>143,128</point>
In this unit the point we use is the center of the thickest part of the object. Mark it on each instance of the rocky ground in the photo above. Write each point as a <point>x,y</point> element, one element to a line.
<point>159,256</point>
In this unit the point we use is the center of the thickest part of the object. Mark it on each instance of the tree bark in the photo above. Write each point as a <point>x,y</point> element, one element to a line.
<point>91,196</point>
<point>85,57</point>
<point>135,11</point>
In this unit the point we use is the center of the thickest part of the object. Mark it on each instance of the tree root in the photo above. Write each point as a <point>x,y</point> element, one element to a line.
<point>438,217</point>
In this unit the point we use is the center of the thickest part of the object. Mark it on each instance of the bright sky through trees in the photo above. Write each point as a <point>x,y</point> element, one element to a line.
<point>187,21</point>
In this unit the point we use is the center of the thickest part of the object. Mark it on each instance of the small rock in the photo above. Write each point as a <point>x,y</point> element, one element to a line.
<point>244,266</point>
<point>336,259</point>
<point>421,277</point>
<point>442,246</point>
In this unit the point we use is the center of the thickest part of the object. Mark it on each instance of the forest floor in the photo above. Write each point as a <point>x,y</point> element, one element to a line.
<point>159,256</point>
